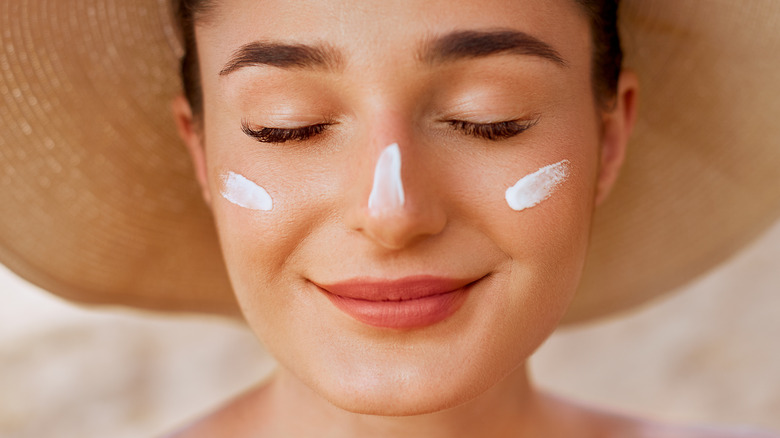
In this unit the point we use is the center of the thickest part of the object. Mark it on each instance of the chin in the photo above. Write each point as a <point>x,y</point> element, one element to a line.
<point>400,403</point>
<point>401,393</point>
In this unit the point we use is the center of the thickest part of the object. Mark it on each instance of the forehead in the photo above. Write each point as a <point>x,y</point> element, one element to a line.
<point>391,30</point>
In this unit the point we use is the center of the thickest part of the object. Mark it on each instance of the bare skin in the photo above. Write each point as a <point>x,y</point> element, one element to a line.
<point>385,75</point>
<point>257,414</point>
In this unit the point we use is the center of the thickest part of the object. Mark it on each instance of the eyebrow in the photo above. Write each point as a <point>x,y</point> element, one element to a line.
<point>476,44</point>
<point>283,55</point>
<point>446,48</point>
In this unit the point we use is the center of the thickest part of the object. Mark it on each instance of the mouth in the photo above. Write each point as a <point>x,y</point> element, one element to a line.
<point>406,303</point>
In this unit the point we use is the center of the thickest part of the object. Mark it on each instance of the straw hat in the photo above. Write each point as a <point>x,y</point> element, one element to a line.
<point>99,204</point>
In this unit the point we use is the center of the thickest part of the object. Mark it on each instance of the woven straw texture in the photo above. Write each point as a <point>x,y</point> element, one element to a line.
<point>99,204</point>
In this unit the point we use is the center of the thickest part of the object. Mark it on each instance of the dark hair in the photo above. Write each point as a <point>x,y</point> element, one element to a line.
<point>607,60</point>
<point>187,13</point>
<point>602,14</point>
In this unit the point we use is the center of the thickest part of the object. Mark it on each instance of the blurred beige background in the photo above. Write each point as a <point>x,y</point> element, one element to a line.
<point>707,354</point>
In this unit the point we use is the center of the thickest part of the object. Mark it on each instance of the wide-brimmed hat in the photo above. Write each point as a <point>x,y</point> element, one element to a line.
<point>99,203</point>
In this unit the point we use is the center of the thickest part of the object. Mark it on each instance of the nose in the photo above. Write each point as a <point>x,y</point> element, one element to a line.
<point>401,208</point>
<point>387,193</point>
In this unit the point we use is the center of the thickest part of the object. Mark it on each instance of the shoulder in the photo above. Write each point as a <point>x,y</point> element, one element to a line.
<point>233,419</point>
<point>597,422</point>
<point>657,430</point>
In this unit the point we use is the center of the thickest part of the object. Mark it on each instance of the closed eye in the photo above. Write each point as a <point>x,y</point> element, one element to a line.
<point>488,131</point>
<point>493,131</point>
<point>281,135</point>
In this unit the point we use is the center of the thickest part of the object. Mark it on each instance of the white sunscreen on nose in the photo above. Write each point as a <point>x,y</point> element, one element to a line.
<point>387,194</point>
<point>538,186</point>
<point>245,193</point>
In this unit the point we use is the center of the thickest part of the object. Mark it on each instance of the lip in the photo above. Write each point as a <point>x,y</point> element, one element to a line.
<point>405,303</point>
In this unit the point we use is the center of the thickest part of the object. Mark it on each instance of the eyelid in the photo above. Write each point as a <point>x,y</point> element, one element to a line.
<point>282,122</point>
<point>481,119</point>
<point>493,131</point>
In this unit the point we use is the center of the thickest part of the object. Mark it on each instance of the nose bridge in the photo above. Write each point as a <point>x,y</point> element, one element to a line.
<point>387,192</point>
<point>394,206</point>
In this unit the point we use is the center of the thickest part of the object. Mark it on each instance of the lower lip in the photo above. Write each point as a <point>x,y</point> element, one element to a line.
<point>407,314</point>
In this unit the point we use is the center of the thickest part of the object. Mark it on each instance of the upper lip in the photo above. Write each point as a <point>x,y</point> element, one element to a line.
<point>407,288</point>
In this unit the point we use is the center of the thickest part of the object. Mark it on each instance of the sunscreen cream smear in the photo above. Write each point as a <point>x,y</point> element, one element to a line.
<point>387,193</point>
<point>538,186</point>
<point>242,192</point>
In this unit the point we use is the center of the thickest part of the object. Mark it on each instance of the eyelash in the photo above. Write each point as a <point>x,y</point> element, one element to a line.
<point>281,135</point>
<point>493,131</point>
<point>488,131</point>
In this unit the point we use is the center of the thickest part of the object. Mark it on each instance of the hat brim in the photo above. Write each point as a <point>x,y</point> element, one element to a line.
<point>100,204</point>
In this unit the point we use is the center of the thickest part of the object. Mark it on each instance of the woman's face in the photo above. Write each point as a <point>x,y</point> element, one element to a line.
<point>341,81</point>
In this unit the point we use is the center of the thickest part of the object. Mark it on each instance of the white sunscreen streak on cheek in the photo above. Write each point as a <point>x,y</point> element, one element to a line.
<point>387,194</point>
<point>245,193</point>
<point>538,186</point>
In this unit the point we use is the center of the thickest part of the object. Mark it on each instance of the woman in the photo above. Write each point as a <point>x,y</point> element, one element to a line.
<point>403,195</point>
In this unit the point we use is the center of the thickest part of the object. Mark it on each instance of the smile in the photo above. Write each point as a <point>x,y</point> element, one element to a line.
<point>406,303</point>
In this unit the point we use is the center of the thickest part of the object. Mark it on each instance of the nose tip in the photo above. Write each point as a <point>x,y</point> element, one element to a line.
<point>398,231</point>
<point>398,214</point>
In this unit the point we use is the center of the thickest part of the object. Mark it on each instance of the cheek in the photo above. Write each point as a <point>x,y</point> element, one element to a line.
<point>243,192</point>
<point>528,204</point>
<point>546,242</point>
<point>553,223</point>
<point>265,209</point>
<point>550,244</point>
<point>545,248</point>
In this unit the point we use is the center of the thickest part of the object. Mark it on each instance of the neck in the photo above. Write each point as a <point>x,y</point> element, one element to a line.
<point>510,408</point>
